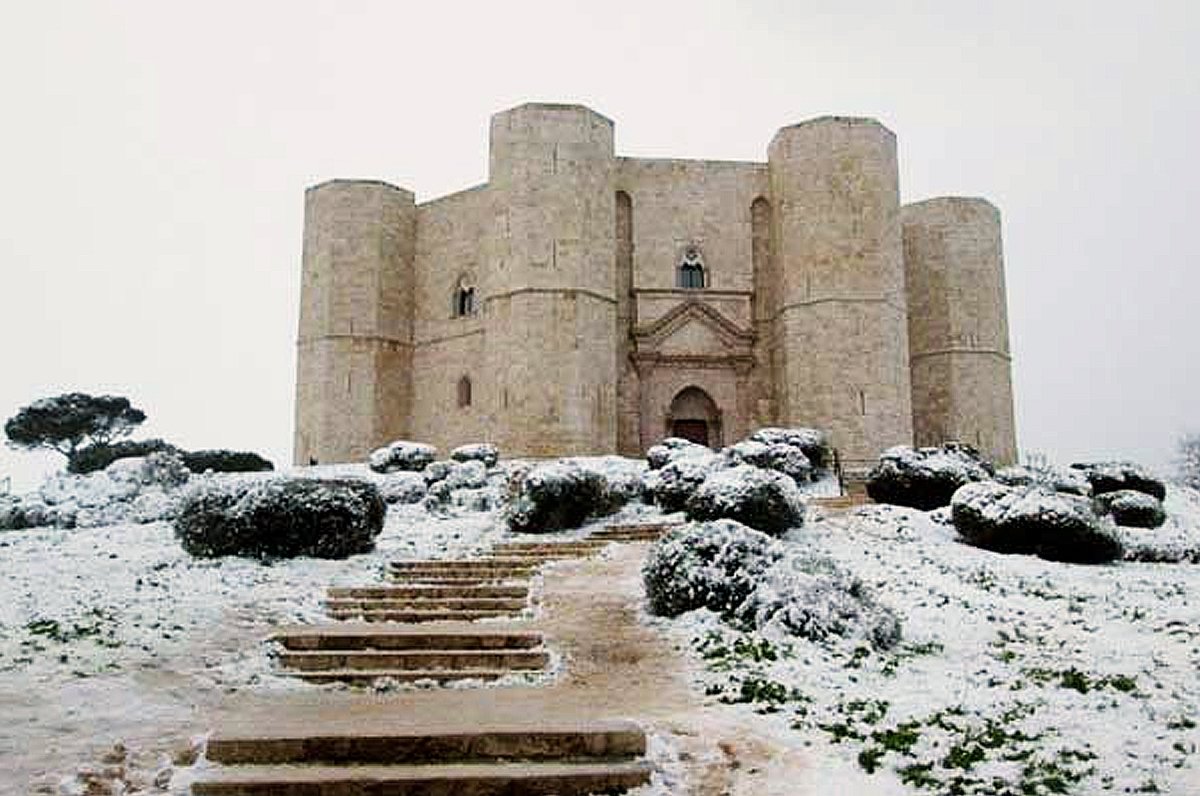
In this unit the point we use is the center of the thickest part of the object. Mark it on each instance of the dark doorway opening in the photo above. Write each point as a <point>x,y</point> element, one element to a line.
<point>691,430</point>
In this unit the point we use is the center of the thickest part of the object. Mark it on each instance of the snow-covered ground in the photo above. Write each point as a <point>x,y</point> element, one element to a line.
<point>115,635</point>
<point>1012,669</point>
<point>1016,675</point>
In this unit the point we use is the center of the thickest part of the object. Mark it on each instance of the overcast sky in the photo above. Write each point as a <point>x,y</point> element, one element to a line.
<point>154,157</point>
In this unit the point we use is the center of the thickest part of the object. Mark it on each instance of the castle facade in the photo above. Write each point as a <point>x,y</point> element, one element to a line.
<point>580,302</point>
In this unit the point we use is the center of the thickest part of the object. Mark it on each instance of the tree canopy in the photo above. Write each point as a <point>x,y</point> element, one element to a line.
<point>65,422</point>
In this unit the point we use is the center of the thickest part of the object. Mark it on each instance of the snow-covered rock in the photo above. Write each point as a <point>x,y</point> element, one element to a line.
<point>812,597</point>
<point>673,448</point>
<point>1068,481</point>
<point>1033,520</point>
<point>671,485</point>
<point>922,478</point>
<point>281,518</point>
<point>713,565</point>
<point>1131,508</point>
<point>1115,476</point>
<point>480,451</point>
<point>761,499</point>
<point>402,487</point>
<point>402,455</point>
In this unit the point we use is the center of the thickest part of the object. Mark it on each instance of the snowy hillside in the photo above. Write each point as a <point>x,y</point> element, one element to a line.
<point>1013,674</point>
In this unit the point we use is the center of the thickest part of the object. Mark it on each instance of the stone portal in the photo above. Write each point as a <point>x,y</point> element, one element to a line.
<point>694,416</point>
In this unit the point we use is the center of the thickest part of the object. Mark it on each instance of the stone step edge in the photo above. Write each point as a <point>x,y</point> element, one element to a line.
<point>413,660</point>
<point>388,643</point>
<point>388,592</point>
<point>597,743</point>
<point>536,779</point>
<point>364,676</point>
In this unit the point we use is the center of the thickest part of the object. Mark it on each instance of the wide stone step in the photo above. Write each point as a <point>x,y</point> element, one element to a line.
<point>481,571</point>
<point>417,615</point>
<point>552,547</point>
<point>370,676</point>
<point>399,592</point>
<point>426,603</point>
<point>336,637</point>
<point>596,740</point>
<point>469,779</point>
<point>424,660</point>
<point>455,565</point>
<point>490,579</point>
<point>537,556</point>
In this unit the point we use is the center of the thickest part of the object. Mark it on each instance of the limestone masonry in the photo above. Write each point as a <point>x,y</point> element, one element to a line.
<point>580,302</point>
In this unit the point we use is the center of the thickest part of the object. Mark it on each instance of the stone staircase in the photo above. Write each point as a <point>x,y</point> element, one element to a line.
<point>421,627</point>
<point>842,502</point>
<point>479,761</point>
<point>363,654</point>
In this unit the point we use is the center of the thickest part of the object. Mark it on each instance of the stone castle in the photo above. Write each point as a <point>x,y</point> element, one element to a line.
<point>580,302</point>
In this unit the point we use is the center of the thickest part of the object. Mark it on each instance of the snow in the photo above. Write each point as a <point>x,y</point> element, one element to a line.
<point>1002,656</point>
<point>114,634</point>
<point>480,451</point>
<point>401,455</point>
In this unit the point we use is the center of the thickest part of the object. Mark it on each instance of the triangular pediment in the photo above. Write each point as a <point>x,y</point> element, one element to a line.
<point>695,330</point>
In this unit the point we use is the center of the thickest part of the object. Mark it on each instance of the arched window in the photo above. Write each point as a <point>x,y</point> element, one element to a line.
<point>691,269</point>
<point>464,392</point>
<point>464,299</point>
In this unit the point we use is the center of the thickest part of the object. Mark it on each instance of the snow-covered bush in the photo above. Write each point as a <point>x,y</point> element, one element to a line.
<point>281,518</point>
<point>91,458</point>
<point>622,479</point>
<point>1034,520</point>
<point>402,488</point>
<point>1116,476</point>
<point>471,474</point>
<point>787,459</point>
<point>460,485</point>
<point>226,461</point>
<point>436,471</point>
<point>554,497</point>
<point>673,448</point>
<point>1071,482</point>
<point>480,451</point>
<point>164,469</point>
<point>671,485</point>
<point>922,478</point>
<point>128,490</point>
<point>713,565</point>
<point>810,441</point>
<point>1131,508</point>
<point>813,598</point>
<point>402,455</point>
<point>761,499</point>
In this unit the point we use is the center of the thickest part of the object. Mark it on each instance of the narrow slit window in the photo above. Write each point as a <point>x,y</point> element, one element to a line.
<point>464,392</point>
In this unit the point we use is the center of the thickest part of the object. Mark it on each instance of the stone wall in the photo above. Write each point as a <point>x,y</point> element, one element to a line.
<point>841,321</point>
<point>581,340</point>
<point>958,326</point>
<point>355,343</point>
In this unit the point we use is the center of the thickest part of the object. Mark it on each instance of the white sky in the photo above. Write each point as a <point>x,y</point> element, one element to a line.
<point>154,157</point>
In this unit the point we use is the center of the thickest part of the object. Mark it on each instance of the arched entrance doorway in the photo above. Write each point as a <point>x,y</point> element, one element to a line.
<point>694,416</point>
